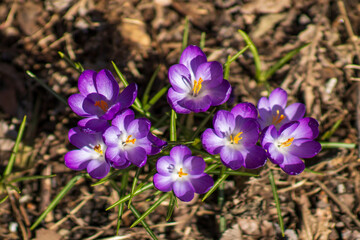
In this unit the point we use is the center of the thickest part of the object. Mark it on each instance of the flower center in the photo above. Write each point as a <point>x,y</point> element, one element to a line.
<point>98,149</point>
<point>102,104</point>
<point>181,173</point>
<point>278,118</point>
<point>287,143</point>
<point>236,139</point>
<point>130,141</point>
<point>197,87</point>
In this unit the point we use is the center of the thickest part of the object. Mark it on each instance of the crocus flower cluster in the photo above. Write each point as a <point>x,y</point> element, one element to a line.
<point>108,135</point>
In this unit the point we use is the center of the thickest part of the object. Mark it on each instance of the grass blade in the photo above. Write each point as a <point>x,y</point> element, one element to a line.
<point>337,145</point>
<point>185,35</point>
<point>11,162</point>
<point>277,201</point>
<point>133,187</point>
<point>173,126</point>
<point>202,40</point>
<point>56,200</point>
<point>27,178</point>
<point>151,209</point>
<point>333,129</point>
<point>216,185</point>
<point>145,225</point>
<point>44,85</point>
<point>234,173</point>
<point>172,204</point>
<point>76,65</point>
<point>154,99</point>
<point>4,199</point>
<point>202,124</point>
<point>149,86</point>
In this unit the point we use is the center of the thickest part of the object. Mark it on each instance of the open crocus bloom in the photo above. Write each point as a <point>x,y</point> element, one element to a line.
<point>196,84</point>
<point>182,173</point>
<point>273,110</point>
<point>90,154</point>
<point>129,140</point>
<point>234,136</point>
<point>99,99</point>
<point>293,141</point>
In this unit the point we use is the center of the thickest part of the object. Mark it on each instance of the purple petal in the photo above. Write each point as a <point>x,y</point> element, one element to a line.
<point>156,141</point>
<point>183,190</point>
<point>231,158</point>
<point>173,99</point>
<point>179,154</point>
<point>111,136</point>
<point>194,165</point>
<point>211,73</point>
<point>263,103</point>
<point>268,136</point>
<point>292,165</point>
<point>90,104</point>
<point>98,168</point>
<point>86,83</point>
<point>77,159</point>
<point>127,97</point>
<point>80,139</point>
<point>112,153</point>
<point>76,102</point>
<point>106,85</point>
<point>255,157</point>
<point>139,128</point>
<point>93,124</point>
<point>180,78</point>
<point>112,111</point>
<point>192,57</point>
<point>202,183</point>
<point>289,130</point>
<point>274,154</point>
<point>278,97</point>
<point>165,165</point>
<point>163,183</point>
<point>245,110</point>
<point>308,128</point>
<point>136,155</point>
<point>224,123</point>
<point>249,128</point>
<point>211,142</point>
<point>196,104</point>
<point>219,94</point>
<point>304,148</point>
<point>121,164</point>
<point>122,120</point>
<point>295,111</point>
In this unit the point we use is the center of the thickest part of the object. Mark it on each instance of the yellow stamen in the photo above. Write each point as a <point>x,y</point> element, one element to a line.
<point>278,118</point>
<point>181,173</point>
<point>287,143</point>
<point>98,149</point>
<point>102,104</point>
<point>197,87</point>
<point>130,141</point>
<point>236,139</point>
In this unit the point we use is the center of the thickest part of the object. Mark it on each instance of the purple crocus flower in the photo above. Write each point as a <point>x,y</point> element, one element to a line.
<point>129,140</point>
<point>99,99</point>
<point>90,154</point>
<point>273,110</point>
<point>234,136</point>
<point>182,173</point>
<point>293,141</point>
<point>196,84</point>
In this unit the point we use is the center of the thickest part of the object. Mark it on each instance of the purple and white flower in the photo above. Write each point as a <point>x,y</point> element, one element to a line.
<point>273,110</point>
<point>234,136</point>
<point>293,141</point>
<point>129,140</point>
<point>90,154</point>
<point>196,84</point>
<point>182,173</point>
<point>99,99</point>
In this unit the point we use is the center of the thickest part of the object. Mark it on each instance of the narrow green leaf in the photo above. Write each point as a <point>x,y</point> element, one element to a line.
<point>151,209</point>
<point>44,85</point>
<point>112,175</point>
<point>221,200</point>
<point>149,86</point>
<point>156,98</point>
<point>227,69</point>
<point>282,62</point>
<point>202,40</point>
<point>137,102</point>
<point>216,185</point>
<point>27,178</point>
<point>127,197</point>
<point>14,187</point>
<point>185,35</point>
<point>333,129</point>
<point>173,126</point>
<point>145,225</point>
<point>337,145</point>
<point>277,201</point>
<point>57,199</point>
<point>11,162</point>
<point>255,55</point>
<point>234,173</point>
<point>202,124</point>
<point>133,187</point>
<point>238,54</point>
<point>312,171</point>
<point>76,65</point>
<point>172,204</point>
<point>4,199</point>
